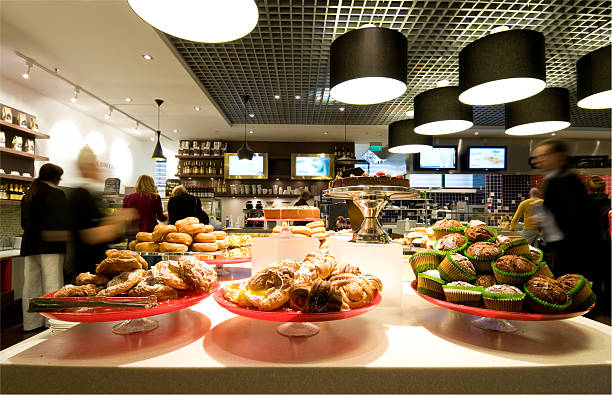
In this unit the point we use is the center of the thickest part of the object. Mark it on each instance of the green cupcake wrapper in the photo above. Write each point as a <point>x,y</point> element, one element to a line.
<point>541,306</point>
<point>540,259</point>
<point>544,270</point>
<point>439,281</point>
<point>431,260</point>
<point>511,278</point>
<point>462,296</point>
<point>490,239</point>
<point>578,287</point>
<point>516,247</point>
<point>482,264</point>
<point>452,272</point>
<point>423,253</point>
<point>585,304</point>
<point>499,295</point>
<point>430,286</point>
<point>515,305</point>
<point>463,247</point>
<point>580,293</point>
<point>423,267</point>
<point>429,292</point>
<point>449,230</point>
<point>475,288</point>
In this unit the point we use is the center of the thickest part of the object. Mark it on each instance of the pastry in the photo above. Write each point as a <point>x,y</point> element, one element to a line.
<point>320,236</point>
<point>236,293</point>
<point>88,278</point>
<point>482,253</point>
<point>151,285</point>
<point>446,226</point>
<point>319,229</point>
<point>123,282</point>
<point>132,245</point>
<point>578,289</point>
<point>546,295</point>
<point>222,244</point>
<point>120,261</point>
<point>170,273</point>
<point>187,221</point>
<point>516,247</point>
<point>144,236</point>
<point>364,179</point>
<point>173,247</point>
<point>461,292</point>
<point>451,242</point>
<point>204,247</point>
<point>513,269</point>
<point>316,224</point>
<point>356,290</point>
<point>219,234</point>
<point>160,232</point>
<point>77,291</point>
<point>269,289</point>
<point>456,267</point>
<point>197,273</point>
<point>315,266</point>
<point>422,261</point>
<point>207,237</point>
<point>239,240</point>
<point>341,267</point>
<point>430,283</point>
<point>147,246</point>
<point>304,230</point>
<point>192,229</point>
<point>182,238</point>
<point>208,228</point>
<point>323,298</point>
<point>485,280</point>
<point>479,233</point>
<point>503,297</point>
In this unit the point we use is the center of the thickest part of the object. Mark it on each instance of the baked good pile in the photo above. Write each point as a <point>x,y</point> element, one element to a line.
<point>314,229</point>
<point>125,272</point>
<point>474,267</point>
<point>292,212</point>
<point>317,284</point>
<point>379,179</point>
<point>187,234</point>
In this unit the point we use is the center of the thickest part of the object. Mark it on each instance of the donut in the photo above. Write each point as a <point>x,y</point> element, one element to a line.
<point>187,221</point>
<point>301,230</point>
<point>153,286</point>
<point>204,247</point>
<point>320,236</point>
<point>182,238</point>
<point>192,229</point>
<point>315,224</point>
<point>123,282</point>
<point>132,245</point>
<point>169,273</point>
<point>222,244</point>
<point>317,230</point>
<point>205,238</point>
<point>161,231</point>
<point>208,228</point>
<point>276,229</point>
<point>144,236</point>
<point>219,234</point>
<point>173,247</point>
<point>147,246</point>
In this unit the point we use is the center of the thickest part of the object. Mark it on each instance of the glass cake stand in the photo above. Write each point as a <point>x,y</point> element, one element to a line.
<point>371,199</point>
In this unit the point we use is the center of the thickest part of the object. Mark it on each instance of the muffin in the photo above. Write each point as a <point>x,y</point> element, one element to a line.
<point>452,242</point>
<point>456,267</point>
<point>480,233</point>
<point>535,255</point>
<point>578,289</point>
<point>430,283</point>
<point>546,295</point>
<point>464,293</point>
<point>513,269</point>
<point>516,247</point>
<point>422,261</point>
<point>446,226</point>
<point>543,270</point>
<point>481,254</point>
<point>503,297</point>
<point>485,280</point>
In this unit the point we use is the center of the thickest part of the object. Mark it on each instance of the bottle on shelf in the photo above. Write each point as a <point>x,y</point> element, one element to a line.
<point>210,168</point>
<point>3,193</point>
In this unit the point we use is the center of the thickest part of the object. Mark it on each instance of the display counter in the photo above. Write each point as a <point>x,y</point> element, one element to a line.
<point>248,230</point>
<point>420,348</point>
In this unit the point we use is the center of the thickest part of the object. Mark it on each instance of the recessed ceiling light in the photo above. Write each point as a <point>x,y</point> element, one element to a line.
<point>175,130</point>
<point>276,97</point>
<point>252,115</point>
<point>298,97</point>
<point>499,29</point>
<point>147,57</point>
<point>553,134</point>
<point>277,179</point>
<point>341,108</point>
<point>251,132</point>
<point>196,108</point>
<point>442,83</point>
<point>325,132</point>
<point>128,99</point>
<point>318,97</point>
<point>410,113</point>
<point>476,133</point>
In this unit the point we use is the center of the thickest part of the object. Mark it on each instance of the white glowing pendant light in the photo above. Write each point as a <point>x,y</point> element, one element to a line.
<point>210,21</point>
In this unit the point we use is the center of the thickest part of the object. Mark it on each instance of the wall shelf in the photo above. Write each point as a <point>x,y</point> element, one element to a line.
<point>21,153</point>
<point>24,130</point>
<point>199,157</point>
<point>14,177</point>
<point>199,175</point>
<point>258,196</point>
<point>4,202</point>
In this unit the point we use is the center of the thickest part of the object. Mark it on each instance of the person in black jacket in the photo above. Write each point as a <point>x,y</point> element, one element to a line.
<point>182,205</point>
<point>43,219</point>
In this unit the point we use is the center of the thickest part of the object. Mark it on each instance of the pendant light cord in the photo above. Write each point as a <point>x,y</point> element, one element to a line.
<point>245,100</point>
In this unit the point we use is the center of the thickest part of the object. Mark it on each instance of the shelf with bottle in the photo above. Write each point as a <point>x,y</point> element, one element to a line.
<point>12,191</point>
<point>345,154</point>
<point>202,148</point>
<point>206,189</point>
<point>209,168</point>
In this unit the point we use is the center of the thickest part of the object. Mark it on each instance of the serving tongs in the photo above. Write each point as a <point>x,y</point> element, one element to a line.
<point>58,304</point>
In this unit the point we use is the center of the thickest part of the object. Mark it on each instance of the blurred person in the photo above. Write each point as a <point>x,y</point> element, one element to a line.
<point>92,230</point>
<point>43,219</point>
<point>182,205</point>
<point>147,202</point>
<point>305,196</point>
<point>567,223</point>
<point>526,210</point>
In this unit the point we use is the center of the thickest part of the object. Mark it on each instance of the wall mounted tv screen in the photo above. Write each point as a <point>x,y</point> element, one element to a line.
<point>464,181</point>
<point>438,158</point>
<point>256,168</point>
<point>312,166</point>
<point>484,158</point>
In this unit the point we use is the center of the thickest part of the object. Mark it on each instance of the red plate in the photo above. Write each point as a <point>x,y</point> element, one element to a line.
<point>507,315</point>
<point>226,261</point>
<point>102,314</point>
<point>283,219</point>
<point>291,315</point>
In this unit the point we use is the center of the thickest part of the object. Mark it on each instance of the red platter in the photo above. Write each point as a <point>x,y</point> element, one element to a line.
<point>226,261</point>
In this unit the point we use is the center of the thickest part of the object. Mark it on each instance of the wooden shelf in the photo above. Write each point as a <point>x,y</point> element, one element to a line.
<point>198,157</point>
<point>4,202</point>
<point>24,130</point>
<point>18,178</point>
<point>250,196</point>
<point>21,153</point>
<point>199,175</point>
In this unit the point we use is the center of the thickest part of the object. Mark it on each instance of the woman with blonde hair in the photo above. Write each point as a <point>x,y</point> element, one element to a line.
<point>148,204</point>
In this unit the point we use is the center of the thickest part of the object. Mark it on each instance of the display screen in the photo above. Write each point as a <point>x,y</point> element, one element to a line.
<point>439,158</point>
<point>312,166</point>
<point>426,180</point>
<point>487,158</point>
<point>246,169</point>
<point>464,180</point>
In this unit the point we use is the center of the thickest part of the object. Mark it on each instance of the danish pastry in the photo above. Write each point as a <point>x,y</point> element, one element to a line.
<point>192,229</point>
<point>173,247</point>
<point>236,293</point>
<point>204,247</point>
<point>182,238</point>
<point>123,282</point>
<point>198,274</point>
<point>169,272</point>
<point>205,238</point>
<point>132,245</point>
<point>151,285</point>
<point>88,278</point>
<point>356,290</point>
<point>144,236</point>
<point>219,234</point>
<point>269,289</point>
<point>323,298</point>
<point>77,290</point>
<point>147,246</point>
<point>160,232</point>
<point>120,261</point>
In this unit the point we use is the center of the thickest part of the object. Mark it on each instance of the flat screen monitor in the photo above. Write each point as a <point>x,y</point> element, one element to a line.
<point>464,180</point>
<point>438,158</point>
<point>425,180</point>
<point>312,166</point>
<point>256,168</point>
<point>483,158</point>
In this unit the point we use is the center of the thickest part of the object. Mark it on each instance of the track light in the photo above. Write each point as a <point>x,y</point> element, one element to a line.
<point>26,75</point>
<point>110,112</point>
<point>76,95</point>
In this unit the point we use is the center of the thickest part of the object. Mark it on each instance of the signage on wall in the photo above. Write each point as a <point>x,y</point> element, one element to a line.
<point>112,186</point>
<point>171,183</point>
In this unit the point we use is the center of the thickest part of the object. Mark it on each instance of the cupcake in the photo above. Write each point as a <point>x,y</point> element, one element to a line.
<point>535,255</point>
<point>481,254</point>
<point>546,295</point>
<point>422,261</point>
<point>463,293</point>
<point>579,290</point>
<point>503,297</point>
<point>516,247</point>
<point>456,267</point>
<point>485,280</point>
<point>475,234</point>
<point>446,226</point>
<point>452,242</point>
<point>543,270</point>
<point>513,269</point>
<point>430,283</point>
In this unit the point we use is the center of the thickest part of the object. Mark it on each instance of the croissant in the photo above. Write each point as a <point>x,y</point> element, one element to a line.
<point>356,290</point>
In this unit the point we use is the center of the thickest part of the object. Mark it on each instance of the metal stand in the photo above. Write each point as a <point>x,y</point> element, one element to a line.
<point>297,329</point>
<point>371,199</point>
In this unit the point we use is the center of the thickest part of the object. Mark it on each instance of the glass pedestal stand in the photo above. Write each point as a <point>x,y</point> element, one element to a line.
<point>298,329</point>
<point>136,325</point>
<point>495,324</point>
<point>371,199</point>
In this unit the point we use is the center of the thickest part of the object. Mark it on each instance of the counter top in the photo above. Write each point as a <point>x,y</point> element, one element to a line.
<point>247,230</point>
<point>420,348</point>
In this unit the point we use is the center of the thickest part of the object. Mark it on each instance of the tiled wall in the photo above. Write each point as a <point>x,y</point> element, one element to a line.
<point>10,221</point>
<point>537,180</point>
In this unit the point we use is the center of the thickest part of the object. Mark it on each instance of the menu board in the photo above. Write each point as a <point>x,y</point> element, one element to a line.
<point>171,183</point>
<point>487,158</point>
<point>112,186</point>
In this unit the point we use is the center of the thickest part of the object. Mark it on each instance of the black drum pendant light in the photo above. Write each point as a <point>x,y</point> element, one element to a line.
<point>502,67</point>
<point>158,154</point>
<point>368,66</point>
<point>403,140</point>
<point>593,80</point>
<point>245,152</point>
<point>439,111</point>
<point>546,112</point>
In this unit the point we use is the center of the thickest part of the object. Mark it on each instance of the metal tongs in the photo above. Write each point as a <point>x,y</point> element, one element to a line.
<point>58,304</point>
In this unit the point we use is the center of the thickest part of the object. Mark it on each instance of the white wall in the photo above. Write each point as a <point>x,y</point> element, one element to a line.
<point>120,154</point>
